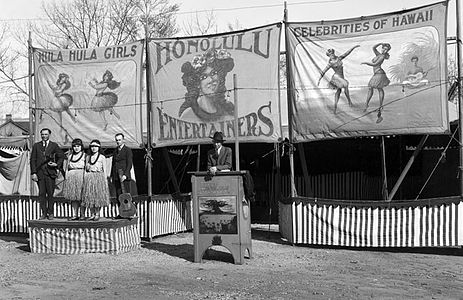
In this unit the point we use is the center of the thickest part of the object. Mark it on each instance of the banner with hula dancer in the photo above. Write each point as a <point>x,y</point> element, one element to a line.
<point>193,87</point>
<point>89,93</point>
<point>375,75</point>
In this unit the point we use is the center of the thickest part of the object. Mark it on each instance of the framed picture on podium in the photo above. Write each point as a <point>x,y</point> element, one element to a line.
<point>217,215</point>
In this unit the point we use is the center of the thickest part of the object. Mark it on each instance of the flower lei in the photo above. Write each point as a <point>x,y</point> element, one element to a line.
<point>76,160</point>
<point>90,159</point>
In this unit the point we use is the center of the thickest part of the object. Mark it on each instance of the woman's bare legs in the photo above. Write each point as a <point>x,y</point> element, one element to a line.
<point>346,92</point>
<point>369,95</point>
<point>336,99</point>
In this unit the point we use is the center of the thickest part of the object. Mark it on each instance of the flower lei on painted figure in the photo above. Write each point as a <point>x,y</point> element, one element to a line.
<point>221,62</point>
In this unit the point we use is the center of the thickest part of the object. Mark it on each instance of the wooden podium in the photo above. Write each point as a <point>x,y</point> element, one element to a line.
<point>221,214</point>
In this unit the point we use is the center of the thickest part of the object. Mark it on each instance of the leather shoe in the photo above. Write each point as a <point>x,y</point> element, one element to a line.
<point>74,219</point>
<point>50,217</point>
<point>96,218</point>
<point>43,217</point>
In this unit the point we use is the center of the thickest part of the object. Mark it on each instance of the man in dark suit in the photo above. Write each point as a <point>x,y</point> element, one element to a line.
<point>121,165</point>
<point>219,158</point>
<point>46,159</point>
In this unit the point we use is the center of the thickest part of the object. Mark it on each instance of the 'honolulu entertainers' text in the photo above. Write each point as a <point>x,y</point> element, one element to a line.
<point>253,124</point>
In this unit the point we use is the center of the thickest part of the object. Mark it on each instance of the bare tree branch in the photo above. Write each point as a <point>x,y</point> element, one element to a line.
<point>201,24</point>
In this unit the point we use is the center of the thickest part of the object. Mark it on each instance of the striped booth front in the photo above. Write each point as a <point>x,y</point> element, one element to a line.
<point>60,236</point>
<point>157,215</point>
<point>421,223</point>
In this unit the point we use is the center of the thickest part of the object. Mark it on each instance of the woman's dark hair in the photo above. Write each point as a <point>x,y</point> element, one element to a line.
<point>67,82</point>
<point>388,46</point>
<point>222,63</point>
<point>77,142</point>
<point>112,84</point>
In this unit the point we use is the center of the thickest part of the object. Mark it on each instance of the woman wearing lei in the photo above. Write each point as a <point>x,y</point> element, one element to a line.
<point>72,189</point>
<point>95,193</point>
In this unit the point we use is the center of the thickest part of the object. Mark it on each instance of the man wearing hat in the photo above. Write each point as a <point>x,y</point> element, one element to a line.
<point>219,158</point>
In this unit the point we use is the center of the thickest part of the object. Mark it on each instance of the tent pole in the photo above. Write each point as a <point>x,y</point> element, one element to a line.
<point>407,167</point>
<point>198,159</point>
<point>171,170</point>
<point>305,170</point>
<point>383,169</point>
<point>460,110</point>
<point>289,92</point>
<point>148,114</point>
<point>237,144</point>
<point>31,111</point>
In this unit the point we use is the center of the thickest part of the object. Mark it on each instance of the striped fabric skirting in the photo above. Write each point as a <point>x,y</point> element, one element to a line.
<point>422,223</point>
<point>158,215</point>
<point>113,236</point>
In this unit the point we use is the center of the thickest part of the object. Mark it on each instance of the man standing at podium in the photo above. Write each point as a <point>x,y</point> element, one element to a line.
<point>219,158</point>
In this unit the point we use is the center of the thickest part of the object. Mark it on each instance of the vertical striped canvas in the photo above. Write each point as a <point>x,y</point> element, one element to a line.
<point>159,215</point>
<point>420,225</point>
<point>84,240</point>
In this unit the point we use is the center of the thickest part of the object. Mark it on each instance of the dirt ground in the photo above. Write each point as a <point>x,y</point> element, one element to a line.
<point>164,269</point>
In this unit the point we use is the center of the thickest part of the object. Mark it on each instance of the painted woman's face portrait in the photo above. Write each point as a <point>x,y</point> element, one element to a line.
<point>208,81</point>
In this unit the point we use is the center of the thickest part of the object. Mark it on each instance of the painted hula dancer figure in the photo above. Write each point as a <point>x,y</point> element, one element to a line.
<point>379,79</point>
<point>46,160</point>
<point>338,81</point>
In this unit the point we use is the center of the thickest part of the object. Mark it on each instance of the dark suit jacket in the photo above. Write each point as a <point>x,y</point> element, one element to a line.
<point>223,161</point>
<point>122,160</point>
<point>40,157</point>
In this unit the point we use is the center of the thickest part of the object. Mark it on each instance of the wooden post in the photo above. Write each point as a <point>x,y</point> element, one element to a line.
<point>407,167</point>
<point>198,159</point>
<point>32,111</point>
<point>289,91</point>
<point>237,144</point>
<point>148,113</point>
<point>171,169</point>
<point>460,110</point>
<point>305,170</point>
<point>383,169</point>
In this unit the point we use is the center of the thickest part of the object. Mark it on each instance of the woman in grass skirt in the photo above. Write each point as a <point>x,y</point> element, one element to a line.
<point>75,168</point>
<point>96,192</point>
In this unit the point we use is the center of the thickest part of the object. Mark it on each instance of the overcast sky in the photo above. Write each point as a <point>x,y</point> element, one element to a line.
<point>252,13</point>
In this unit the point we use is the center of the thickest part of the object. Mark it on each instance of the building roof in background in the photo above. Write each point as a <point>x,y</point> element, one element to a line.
<point>10,128</point>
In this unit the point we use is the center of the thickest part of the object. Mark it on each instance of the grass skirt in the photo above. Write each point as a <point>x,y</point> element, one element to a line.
<point>379,80</point>
<point>96,190</point>
<point>72,189</point>
<point>338,82</point>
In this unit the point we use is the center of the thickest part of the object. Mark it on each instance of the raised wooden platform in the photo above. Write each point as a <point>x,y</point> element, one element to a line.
<point>60,236</point>
<point>158,214</point>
